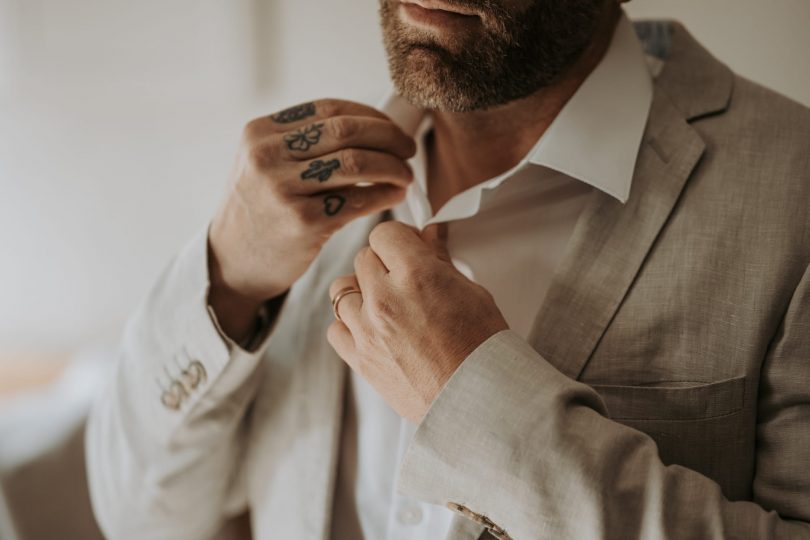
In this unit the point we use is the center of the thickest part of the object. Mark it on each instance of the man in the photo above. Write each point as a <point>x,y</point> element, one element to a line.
<point>586,313</point>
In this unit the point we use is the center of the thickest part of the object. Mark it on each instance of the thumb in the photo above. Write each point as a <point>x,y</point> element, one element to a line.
<point>435,236</point>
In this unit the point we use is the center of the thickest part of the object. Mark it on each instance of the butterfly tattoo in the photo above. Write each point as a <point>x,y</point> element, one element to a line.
<point>305,138</point>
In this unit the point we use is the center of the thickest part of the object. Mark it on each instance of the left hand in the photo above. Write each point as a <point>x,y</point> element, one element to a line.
<point>416,320</point>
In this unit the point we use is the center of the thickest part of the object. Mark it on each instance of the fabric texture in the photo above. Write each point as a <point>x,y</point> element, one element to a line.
<point>661,393</point>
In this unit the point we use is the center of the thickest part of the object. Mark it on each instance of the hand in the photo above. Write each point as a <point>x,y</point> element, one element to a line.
<point>416,320</point>
<point>292,187</point>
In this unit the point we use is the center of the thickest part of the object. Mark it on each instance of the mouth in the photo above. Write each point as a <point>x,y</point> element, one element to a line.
<point>433,13</point>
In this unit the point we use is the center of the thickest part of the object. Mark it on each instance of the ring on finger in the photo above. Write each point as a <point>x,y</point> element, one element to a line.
<point>339,296</point>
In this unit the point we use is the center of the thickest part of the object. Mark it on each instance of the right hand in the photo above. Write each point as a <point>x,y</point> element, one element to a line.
<point>292,187</point>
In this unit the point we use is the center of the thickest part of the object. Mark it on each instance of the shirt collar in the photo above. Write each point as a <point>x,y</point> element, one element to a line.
<point>596,136</point>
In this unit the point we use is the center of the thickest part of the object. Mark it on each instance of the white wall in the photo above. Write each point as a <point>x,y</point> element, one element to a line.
<point>765,40</point>
<point>119,120</point>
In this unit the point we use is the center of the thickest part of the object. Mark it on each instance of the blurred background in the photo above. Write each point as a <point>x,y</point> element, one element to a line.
<point>118,126</point>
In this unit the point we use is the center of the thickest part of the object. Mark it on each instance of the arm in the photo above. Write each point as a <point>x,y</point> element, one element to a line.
<point>161,472</point>
<point>164,441</point>
<point>542,459</point>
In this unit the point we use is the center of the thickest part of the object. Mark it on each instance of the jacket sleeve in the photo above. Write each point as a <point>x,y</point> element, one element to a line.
<point>164,438</point>
<point>514,444</point>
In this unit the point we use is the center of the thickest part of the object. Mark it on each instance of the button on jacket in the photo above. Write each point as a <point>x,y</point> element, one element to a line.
<point>661,390</point>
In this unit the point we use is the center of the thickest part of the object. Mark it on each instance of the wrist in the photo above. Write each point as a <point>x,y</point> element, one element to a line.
<point>235,311</point>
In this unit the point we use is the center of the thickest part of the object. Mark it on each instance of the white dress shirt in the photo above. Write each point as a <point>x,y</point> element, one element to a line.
<point>507,234</point>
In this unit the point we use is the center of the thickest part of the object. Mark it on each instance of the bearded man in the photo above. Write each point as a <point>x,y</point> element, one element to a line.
<point>567,261</point>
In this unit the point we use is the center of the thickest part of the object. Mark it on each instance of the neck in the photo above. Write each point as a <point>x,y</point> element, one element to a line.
<point>460,152</point>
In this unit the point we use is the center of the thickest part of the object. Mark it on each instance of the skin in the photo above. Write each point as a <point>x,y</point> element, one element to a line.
<point>417,318</point>
<point>291,188</point>
<point>460,155</point>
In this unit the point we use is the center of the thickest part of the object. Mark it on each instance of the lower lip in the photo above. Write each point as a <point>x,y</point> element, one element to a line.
<point>434,17</point>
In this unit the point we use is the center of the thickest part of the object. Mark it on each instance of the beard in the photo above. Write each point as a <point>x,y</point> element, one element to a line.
<point>508,55</point>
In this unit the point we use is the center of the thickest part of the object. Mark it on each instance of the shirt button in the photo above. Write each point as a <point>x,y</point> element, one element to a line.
<point>409,515</point>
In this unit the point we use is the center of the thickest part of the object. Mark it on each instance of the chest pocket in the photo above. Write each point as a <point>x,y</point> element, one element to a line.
<point>686,401</point>
<point>706,427</point>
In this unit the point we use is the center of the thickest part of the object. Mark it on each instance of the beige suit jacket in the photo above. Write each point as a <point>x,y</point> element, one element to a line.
<point>664,391</point>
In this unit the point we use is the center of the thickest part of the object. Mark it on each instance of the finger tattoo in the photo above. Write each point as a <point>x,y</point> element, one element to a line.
<point>294,114</point>
<point>321,170</point>
<point>304,139</point>
<point>333,203</point>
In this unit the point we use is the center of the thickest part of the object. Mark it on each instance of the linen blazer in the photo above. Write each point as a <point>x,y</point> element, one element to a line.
<point>664,391</point>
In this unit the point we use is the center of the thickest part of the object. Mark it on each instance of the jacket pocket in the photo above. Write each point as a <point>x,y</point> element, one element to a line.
<point>687,401</point>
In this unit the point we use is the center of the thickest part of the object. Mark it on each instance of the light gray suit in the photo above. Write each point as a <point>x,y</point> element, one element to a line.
<point>664,391</point>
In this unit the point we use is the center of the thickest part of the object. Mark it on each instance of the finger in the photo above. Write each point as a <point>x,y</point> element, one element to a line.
<point>369,270</point>
<point>346,168</point>
<point>339,336</point>
<point>342,282</point>
<point>435,237</point>
<point>303,113</point>
<point>348,306</point>
<point>398,245</point>
<point>332,134</point>
<point>344,205</point>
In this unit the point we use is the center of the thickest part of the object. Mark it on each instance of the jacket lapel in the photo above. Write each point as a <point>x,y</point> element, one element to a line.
<point>611,241</point>
<point>326,375</point>
<point>606,251</point>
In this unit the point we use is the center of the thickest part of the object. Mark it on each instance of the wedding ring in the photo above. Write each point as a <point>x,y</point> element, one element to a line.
<point>340,294</point>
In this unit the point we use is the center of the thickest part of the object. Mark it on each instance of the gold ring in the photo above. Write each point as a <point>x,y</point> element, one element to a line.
<point>339,295</point>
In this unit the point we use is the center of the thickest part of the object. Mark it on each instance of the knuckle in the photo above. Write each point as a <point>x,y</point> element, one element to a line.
<point>374,237</point>
<point>381,232</point>
<point>326,107</point>
<point>362,255</point>
<point>253,129</point>
<point>342,127</point>
<point>262,156</point>
<point>351,161</point>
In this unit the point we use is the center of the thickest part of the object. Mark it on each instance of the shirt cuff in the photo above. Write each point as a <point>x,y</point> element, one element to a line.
<point>263,325</point>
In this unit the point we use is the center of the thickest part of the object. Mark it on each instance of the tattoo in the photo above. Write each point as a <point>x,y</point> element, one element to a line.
<point>294,114</point>
<point>303,139</point>
<point>321,170</point>
<point>333,203</point>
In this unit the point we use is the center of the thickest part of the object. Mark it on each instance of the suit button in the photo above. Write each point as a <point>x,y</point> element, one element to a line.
<point>196,373</point>
<point>170,400</point>
<point>177,388</point>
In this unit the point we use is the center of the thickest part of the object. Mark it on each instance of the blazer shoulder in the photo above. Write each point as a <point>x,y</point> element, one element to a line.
<point>762,136</point>
<point>758,158</point>
<point>766,122</point>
